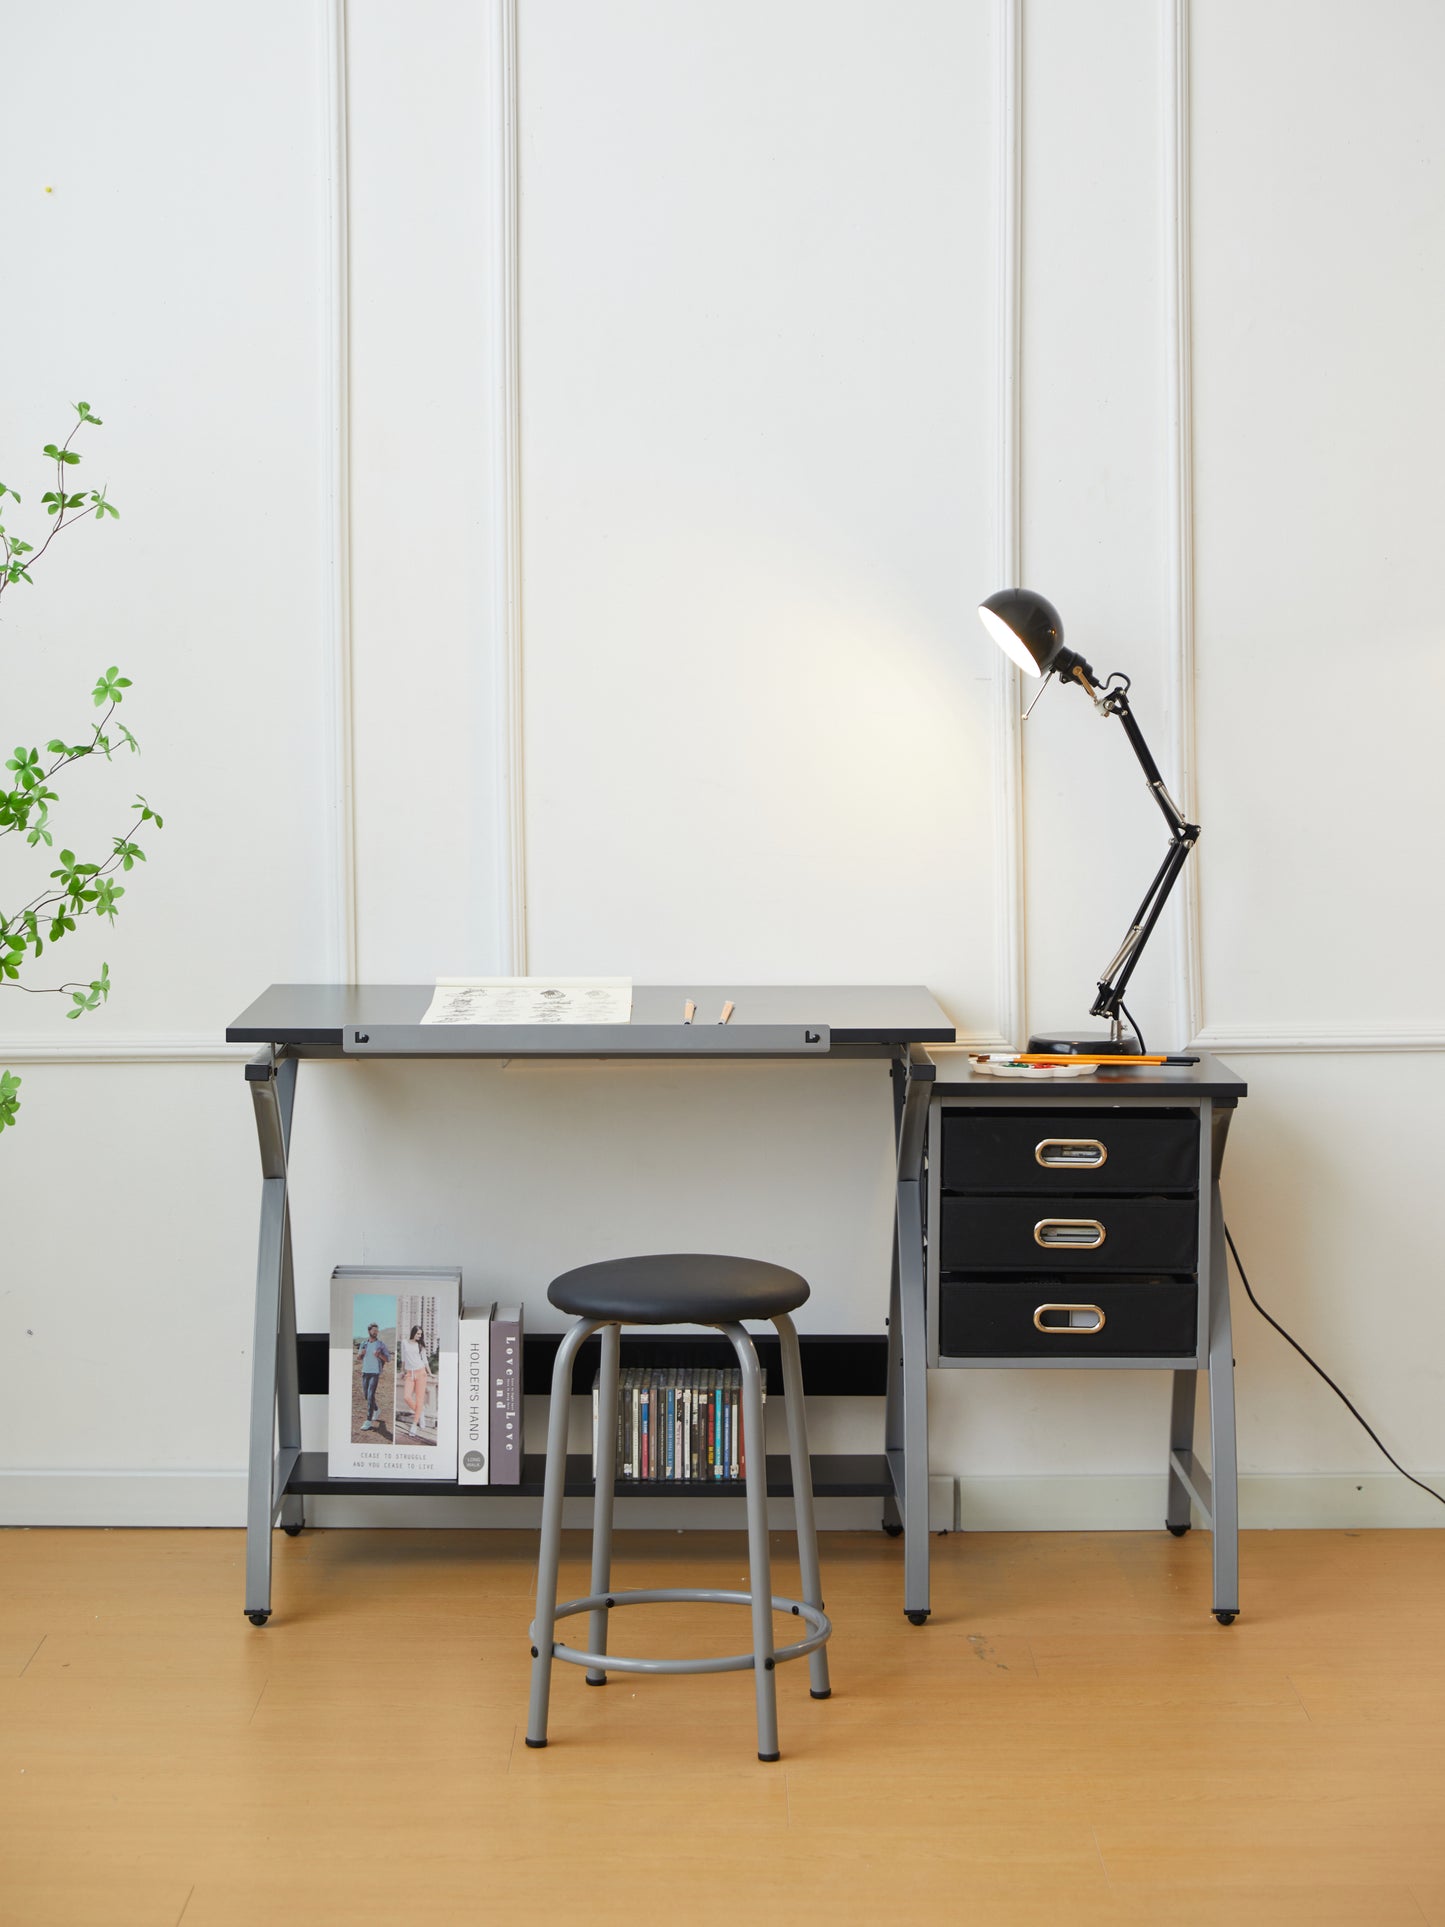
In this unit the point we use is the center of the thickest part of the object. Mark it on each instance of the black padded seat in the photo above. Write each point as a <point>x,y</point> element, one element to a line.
<point>678,1288</point>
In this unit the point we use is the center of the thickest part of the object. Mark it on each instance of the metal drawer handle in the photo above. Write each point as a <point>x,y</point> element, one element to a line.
<point>1069,1328</point>
<point>1071,1154</point>
<point>1071,1234</point>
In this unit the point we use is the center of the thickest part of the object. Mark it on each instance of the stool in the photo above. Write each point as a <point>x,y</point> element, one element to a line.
<point>685,1289</point>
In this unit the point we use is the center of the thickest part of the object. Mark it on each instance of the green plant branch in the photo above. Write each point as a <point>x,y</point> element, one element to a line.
<point>83,889</point>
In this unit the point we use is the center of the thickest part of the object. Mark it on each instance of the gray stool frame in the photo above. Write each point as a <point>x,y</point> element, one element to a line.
<point>764,1657</point>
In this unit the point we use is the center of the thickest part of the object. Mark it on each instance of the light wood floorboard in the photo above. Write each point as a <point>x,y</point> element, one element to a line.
<point>1072,1739</point>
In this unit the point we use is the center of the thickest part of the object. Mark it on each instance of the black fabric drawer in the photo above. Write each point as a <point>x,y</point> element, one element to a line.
<point>1020,1234</point>
<point>1141,1318</point>
<point>1103,1151</point>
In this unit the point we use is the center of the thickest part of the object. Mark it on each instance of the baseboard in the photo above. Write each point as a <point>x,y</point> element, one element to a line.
<point>989,1502</point>
<point>1134,1501</point>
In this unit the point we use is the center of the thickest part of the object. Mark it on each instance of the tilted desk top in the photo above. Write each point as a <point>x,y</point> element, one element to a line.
<point>800,1020</point>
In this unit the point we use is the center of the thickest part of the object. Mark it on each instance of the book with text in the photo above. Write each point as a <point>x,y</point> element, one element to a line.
<point>474,1399</point>
<point>506,1412</point>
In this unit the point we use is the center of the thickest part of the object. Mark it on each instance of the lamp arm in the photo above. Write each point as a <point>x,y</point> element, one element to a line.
<point>1183,835</point>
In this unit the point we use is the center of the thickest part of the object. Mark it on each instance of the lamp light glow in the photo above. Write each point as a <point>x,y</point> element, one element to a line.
<point>1007,640</point>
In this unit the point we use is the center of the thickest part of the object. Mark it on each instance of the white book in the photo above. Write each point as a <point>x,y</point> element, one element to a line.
<point>392,1403</point>
<point>474,1404</point>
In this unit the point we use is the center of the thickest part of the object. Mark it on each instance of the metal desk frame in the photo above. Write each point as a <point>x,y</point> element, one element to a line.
<point>275,1441</point>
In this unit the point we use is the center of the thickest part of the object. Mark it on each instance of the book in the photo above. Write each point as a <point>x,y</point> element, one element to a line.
<point>474,1403</point>
<point>505,1432</point>
<point>676,1425</point>
<point>392,1383</point>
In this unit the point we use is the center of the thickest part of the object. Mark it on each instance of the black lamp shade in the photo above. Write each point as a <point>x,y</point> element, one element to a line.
<point>1027,627</point>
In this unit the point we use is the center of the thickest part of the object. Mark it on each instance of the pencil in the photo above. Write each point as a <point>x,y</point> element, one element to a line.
<point>727,1011</point>
<point>689,1011</point>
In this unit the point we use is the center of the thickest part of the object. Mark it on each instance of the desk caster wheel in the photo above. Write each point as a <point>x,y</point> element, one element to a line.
<point>292,1532</point>
<point>915,1619</point>
<point>892,1528</point>
<point>258,1619</point>
<point>1177,1531</point>
<point>1225,1619</point>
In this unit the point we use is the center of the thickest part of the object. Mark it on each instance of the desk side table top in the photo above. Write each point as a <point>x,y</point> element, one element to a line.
<point>1155,1083</point>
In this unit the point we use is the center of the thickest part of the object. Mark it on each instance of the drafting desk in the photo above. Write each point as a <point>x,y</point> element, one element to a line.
<point>295,1021</point>
<point>1076,1223</point>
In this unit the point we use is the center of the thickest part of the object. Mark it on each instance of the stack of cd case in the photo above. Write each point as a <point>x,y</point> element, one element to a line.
<point>678,1425</point>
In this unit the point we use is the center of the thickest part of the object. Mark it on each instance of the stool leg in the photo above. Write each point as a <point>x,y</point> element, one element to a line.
<point>802,1465</point>
<point>549,1553</point>
<point>602,1502</point>
<point>760,1571</point>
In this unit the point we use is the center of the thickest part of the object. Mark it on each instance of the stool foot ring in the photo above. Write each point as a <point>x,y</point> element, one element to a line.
<point>820,1630</point>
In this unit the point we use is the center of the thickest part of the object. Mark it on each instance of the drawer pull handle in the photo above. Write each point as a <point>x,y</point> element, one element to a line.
<point>1067,1324</point>
<point>1069,1234</point>
<point>1071,1154</point>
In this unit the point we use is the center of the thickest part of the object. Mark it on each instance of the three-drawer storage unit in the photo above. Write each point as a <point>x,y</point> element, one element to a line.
<point>1076,1223</point>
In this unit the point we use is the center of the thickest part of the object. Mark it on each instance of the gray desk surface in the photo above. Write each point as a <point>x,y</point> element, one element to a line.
<point>1161,1082</point>
<point>877,1014</point>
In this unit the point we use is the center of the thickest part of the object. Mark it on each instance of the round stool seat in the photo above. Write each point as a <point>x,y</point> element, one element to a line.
<point>678,1288</point>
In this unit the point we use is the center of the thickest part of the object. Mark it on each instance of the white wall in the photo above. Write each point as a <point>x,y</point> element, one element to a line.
<point>555,539</point>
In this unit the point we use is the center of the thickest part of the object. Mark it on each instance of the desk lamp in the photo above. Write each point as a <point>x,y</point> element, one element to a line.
<point>1026,626</point>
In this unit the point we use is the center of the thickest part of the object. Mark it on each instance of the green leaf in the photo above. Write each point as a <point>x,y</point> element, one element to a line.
<point>109,686</point>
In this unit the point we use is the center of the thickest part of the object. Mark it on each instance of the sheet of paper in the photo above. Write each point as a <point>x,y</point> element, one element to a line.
<point>531,1000</point>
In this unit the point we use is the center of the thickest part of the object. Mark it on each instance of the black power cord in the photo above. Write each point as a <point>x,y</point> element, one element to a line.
<point>1346,1402</point>
<point>1143,1047</point>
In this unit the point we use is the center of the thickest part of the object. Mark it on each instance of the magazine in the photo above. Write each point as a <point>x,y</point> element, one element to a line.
<point>392,1404</point>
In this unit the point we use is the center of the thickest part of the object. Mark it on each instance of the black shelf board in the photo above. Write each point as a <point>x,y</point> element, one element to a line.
<point>845,1365</point>
<point>836,1475</point>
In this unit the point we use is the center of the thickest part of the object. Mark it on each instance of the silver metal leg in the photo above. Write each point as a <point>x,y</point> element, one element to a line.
<point>602,1502</point>
<point>760,1573</point>
<point>1181,1439</point>
<point>273,1351</point>
<point>906,1417</point>
<point>549,1554</point>
<point>803,1524</point>
<point>1224,1469</point>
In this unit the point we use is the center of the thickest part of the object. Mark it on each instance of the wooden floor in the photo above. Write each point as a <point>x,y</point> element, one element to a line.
<point>1072,1739</point>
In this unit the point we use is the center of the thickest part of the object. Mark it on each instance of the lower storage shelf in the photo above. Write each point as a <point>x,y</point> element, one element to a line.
<point>836,1475</point>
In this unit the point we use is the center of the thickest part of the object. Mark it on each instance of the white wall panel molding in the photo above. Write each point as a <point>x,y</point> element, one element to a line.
<point>138,1048</point>
<point>505,542</point>
<point>1179,415</point>
<point>1274,1040</point>
<point>336,406</point>
<point>1008,862</point>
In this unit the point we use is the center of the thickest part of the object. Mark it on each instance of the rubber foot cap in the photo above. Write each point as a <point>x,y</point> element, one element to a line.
<point>1225,1619</point>
<point>536,1742</point>
<point>769,1758</point>
<point>595,1682</point>
<point>826,1694</point>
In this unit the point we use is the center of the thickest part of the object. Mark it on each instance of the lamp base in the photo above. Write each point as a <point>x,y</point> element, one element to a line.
<point>1101,1044</point>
